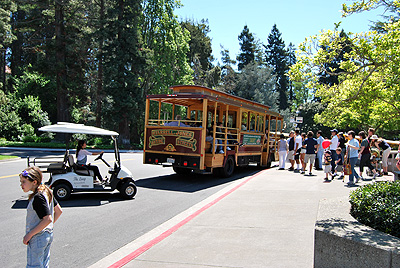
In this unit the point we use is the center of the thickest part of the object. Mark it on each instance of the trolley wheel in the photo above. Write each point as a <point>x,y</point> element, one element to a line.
<point>228,168</point>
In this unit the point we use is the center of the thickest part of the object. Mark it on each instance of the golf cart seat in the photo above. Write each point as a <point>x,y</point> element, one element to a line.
<point>80,170</point>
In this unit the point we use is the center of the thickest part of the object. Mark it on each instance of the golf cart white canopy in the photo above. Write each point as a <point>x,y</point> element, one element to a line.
<point>65,127</point>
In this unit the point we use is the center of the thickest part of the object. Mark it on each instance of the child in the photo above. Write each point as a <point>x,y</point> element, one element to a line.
<point>327,164</point>
<point>339,163</point>
<point>42,211</point>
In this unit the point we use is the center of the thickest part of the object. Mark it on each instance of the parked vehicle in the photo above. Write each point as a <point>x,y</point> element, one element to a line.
<point>201,130</point>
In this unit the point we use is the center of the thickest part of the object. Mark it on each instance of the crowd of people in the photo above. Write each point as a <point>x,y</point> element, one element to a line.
<point>337,155</point>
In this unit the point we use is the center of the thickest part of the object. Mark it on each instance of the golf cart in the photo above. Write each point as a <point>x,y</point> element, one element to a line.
<point>66,177</point>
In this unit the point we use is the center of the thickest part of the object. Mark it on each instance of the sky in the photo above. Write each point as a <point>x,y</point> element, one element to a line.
<point>295,19</point>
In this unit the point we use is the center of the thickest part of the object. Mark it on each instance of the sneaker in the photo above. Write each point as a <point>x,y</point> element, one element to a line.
<point>350,183</point>
<point>310,174</point>
<point>290,169</point>
<point>221,152</point>
<point>228,148</point>
<point>302,172</point>
<point>281,169</point>
<point>341,177</point>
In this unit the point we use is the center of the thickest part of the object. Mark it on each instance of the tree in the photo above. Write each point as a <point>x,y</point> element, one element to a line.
<point>124,62</point>
<point>200,43</point>
<point>276,57</point>
<point>167,45</point>
<point>228,74</point>
<point>6,35</point>
<point>368,91</point>
<point>291,60</point>
<point>247,48</point>
<point>256,83</point>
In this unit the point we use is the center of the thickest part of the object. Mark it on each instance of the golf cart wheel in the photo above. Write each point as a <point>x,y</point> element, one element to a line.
<point>128,190</point>
<point>62,191</point>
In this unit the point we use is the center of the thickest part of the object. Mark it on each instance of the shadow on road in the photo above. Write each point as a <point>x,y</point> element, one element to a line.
<point>193,182</point>
<point>81,200</point>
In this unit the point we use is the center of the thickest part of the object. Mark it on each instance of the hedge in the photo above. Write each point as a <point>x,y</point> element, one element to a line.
<point>378,205</point>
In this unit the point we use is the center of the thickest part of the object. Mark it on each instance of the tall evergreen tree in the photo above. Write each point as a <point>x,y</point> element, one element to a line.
<point>291,60</point>
<point>123,63</point>
<point>247,48</point>
<point>256,83</point>
<point>228,74</point>
<point>276,57</point>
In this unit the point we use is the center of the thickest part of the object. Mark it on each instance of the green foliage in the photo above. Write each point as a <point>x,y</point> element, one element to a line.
<point>247,48</point>
<point>276,57</point>
<point>33,83</point>
<point>367,93</point>
<point>378,206</point>
<point>6,34</point>
<point>256,83</point>
<point>21,117</point>
<point>200,43</point>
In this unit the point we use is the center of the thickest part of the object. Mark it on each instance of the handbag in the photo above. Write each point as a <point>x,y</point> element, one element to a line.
<point>347,169</point>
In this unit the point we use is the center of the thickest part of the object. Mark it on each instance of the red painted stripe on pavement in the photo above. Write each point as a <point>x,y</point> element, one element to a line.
<point>130,257</point>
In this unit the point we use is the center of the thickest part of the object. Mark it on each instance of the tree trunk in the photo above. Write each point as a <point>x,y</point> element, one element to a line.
<point>61,72</point>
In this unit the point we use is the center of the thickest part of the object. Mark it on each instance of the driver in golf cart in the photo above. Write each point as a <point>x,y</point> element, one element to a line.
<point>81,159</point>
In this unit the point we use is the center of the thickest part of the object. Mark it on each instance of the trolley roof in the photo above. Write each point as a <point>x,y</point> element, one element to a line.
<point>186,95</point>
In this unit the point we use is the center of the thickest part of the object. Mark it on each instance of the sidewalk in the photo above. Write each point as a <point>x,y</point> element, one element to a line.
<point>266,220</point>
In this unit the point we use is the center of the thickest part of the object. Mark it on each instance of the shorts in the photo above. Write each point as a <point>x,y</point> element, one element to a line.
<point>297,155</point>
<point>290,155</point>
<point>310,157</point>
<point>327,168</point>
<point>339,168</point>
<point>303,150</point>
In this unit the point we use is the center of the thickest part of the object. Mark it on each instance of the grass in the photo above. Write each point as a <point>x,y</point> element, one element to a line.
<point>6,157</point>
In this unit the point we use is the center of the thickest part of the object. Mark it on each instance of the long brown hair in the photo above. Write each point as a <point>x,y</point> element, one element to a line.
<point>35,174</point>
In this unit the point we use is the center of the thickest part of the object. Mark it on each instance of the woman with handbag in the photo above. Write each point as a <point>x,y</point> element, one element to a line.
<point>365,155</point>
<point>352,156</point>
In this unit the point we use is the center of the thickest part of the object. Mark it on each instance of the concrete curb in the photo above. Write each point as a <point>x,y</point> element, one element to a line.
<point>341,241</point>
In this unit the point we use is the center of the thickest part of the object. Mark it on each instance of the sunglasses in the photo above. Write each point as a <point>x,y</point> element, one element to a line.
<point>26,174</point>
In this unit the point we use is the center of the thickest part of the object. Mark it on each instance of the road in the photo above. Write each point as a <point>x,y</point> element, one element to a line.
<point>95,224</point>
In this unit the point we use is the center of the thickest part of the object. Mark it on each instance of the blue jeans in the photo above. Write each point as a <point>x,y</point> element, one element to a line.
<point>334,158</point>
<point>320,154</point>
<point>354,173</point>
<point>39,250</point>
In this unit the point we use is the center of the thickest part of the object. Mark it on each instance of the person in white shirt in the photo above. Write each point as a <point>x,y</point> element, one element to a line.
<point>333,147</point>
<point>81,159</point>
<point>297,148</point>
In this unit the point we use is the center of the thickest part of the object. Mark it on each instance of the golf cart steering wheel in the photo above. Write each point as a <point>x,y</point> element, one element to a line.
<point>99,157</point>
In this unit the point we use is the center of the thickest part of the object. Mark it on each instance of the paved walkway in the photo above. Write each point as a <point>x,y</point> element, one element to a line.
<point>266,220</point>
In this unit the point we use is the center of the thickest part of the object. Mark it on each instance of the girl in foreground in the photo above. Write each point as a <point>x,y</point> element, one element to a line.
<point>42,212</point>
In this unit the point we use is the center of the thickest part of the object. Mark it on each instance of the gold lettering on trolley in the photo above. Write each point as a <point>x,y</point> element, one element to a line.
<point>184,138</point>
